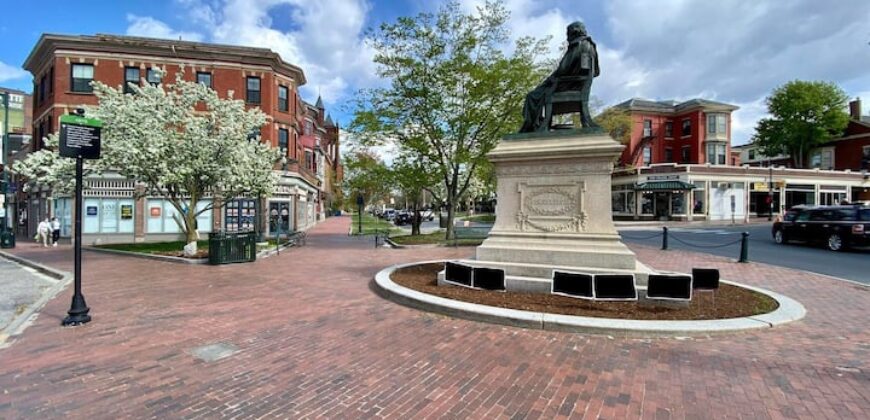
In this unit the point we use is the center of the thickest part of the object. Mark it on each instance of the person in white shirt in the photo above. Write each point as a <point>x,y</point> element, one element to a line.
<point>55,231</point>
<point>43,231</point>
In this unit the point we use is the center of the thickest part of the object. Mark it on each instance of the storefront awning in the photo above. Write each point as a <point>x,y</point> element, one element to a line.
<point>663,186</point>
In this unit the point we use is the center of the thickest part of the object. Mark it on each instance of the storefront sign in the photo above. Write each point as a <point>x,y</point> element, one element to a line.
<point>126,211</point>
<point>662,177</point>
<point>79,137</point>
<point>155,211</point>
<point>91,211</point>
<point>759,186</point>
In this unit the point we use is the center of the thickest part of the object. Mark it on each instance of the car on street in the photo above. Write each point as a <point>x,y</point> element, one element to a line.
<point>837,227</point>
<point>389,214</point>
<point>402,218</point>
<point>427,215</point>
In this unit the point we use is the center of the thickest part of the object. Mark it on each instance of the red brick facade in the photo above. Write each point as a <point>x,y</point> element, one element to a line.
<point>674,133</point>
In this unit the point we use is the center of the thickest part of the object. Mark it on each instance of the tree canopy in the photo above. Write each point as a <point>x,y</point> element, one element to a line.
<point>451,91</point>
<point>180,141</point>
<point>804,115</point>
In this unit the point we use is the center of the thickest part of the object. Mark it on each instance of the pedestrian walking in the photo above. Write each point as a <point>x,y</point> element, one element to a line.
<point>55,231</point>
<point>43,230</point>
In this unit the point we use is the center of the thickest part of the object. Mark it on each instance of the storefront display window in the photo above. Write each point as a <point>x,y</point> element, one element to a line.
<point>678,200</point>
<point>240,215</point>
<point>699,198</point>
<point>161,216</point>
<point>108,215</point>
<point>622,199</point>
<point>646,203</point>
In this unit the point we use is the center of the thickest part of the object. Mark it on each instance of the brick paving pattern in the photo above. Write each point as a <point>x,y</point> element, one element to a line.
<point>313,340</point>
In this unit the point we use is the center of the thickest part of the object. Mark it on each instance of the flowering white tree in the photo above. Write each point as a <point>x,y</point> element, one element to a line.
<point>180,141</point>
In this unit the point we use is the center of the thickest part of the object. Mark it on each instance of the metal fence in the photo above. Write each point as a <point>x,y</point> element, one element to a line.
<point>232,247</point>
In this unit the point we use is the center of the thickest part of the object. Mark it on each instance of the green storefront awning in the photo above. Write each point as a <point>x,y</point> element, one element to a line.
<point>663,186</point>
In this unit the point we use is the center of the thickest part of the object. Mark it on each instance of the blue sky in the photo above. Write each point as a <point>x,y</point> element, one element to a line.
<point>734,51</point>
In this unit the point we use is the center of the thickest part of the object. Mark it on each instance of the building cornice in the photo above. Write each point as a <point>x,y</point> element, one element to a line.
<point>173,49</point>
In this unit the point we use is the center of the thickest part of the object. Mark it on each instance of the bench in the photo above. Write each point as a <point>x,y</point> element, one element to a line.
<point>297,238</point>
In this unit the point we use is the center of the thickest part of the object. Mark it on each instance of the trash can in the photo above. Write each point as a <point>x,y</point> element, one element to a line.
<point>442,220</point>
<point>7,239</point>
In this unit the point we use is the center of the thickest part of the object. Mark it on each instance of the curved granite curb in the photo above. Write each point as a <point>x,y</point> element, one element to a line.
<point>788,310</point>
<point>22,321</point>
<point>158,257</point>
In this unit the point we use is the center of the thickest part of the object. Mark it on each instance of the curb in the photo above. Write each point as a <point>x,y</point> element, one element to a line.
<point>165,258</point>
<point>21,322</point>
<point>789,310</point>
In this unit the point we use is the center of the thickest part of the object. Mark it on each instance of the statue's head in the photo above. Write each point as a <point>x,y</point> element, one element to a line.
<point>576,29</point>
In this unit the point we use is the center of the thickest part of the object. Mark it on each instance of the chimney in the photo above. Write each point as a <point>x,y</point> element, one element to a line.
<point>855,109</point>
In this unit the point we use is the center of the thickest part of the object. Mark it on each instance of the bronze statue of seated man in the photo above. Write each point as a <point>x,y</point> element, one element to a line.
<point>567,88</point>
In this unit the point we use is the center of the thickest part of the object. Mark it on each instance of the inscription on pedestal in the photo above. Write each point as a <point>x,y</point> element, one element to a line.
<point>551,208</point>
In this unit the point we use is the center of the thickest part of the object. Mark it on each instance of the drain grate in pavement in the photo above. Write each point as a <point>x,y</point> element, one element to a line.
<point>214,352</point>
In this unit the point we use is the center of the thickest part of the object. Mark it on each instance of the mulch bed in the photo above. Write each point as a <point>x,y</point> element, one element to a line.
<point>731,301</point>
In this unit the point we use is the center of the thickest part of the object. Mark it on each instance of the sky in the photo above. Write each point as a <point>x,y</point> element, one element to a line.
<point>733,51</point>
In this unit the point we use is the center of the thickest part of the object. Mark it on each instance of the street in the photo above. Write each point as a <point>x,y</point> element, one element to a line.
<point>852,265</point>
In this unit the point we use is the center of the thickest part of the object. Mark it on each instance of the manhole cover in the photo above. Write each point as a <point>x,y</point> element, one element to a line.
<point>213,352</point>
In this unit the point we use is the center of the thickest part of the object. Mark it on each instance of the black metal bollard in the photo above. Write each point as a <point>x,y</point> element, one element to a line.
<point>664,238</point>
<point>744,248</point>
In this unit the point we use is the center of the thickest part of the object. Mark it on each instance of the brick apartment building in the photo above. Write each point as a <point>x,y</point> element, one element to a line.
<point>679,165</point>
<point>691,132</point>
<point>63,67</point>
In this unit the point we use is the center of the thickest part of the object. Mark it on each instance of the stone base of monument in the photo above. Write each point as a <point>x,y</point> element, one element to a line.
<point>554,209</point>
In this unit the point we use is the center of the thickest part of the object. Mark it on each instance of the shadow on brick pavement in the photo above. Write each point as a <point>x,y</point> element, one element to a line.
<point>313,340</point>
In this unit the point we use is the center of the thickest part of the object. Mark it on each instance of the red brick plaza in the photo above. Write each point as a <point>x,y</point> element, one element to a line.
<point>315,341</point>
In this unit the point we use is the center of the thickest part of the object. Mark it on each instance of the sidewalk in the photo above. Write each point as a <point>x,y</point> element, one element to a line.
<point>306,337</point>
<point>696,223</point>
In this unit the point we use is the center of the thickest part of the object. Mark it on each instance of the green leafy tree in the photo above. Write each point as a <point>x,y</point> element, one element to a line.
<point>803,116</point>
<point>451,92</point>
<point>412,177</point>
<point>180,141</point>
<point>617,123</point>
<point>365,173</point>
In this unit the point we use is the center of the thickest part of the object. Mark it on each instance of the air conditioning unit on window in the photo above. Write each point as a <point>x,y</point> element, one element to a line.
<point>723,185</point>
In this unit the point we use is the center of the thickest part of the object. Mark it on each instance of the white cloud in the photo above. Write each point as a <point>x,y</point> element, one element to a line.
<point>8,72</point>
<point>326,39</point>
<point>735,51</point>
<point>153,28</point>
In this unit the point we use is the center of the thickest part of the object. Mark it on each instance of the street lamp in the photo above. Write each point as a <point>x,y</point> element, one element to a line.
<point>5,240</point>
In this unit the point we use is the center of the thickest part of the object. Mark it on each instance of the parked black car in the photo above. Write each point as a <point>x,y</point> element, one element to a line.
<point>402,218</point>
<point>838,227</point>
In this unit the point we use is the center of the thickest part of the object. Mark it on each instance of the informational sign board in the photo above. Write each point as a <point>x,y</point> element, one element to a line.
<point>459,274</point>
<point>705,278</point>
<point>578,285</point>
<point>615,287</point>
<point>759,186</point>
<point>669,287</point>
<point>126,211</point>
<point>80,137</point>
<point>91,210</point>
<point>488,278</point>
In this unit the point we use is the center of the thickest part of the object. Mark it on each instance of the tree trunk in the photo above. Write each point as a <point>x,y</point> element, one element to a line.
<point>191,233</point>
<point>451,212</point>
<point>415,219</point>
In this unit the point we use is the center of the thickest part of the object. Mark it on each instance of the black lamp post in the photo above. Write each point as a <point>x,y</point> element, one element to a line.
<point>770,192</point>
<point>5,150</point>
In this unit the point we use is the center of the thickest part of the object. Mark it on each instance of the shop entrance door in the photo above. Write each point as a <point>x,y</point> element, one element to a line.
<point>662,205</point>
<point>279,218</point>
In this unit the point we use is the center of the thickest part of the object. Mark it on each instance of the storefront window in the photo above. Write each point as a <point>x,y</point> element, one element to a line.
<point>646,203</point>
<point>108,215</point>
<point>699,198</point>
<point>678,200</point>
<point>622,199</point>
<point>240,215</point>
<point>799,194</point>
<point>161,215</point>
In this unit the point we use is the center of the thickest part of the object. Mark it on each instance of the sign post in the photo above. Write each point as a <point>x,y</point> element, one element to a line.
<point>359,203</point>
<point>79,139</point>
